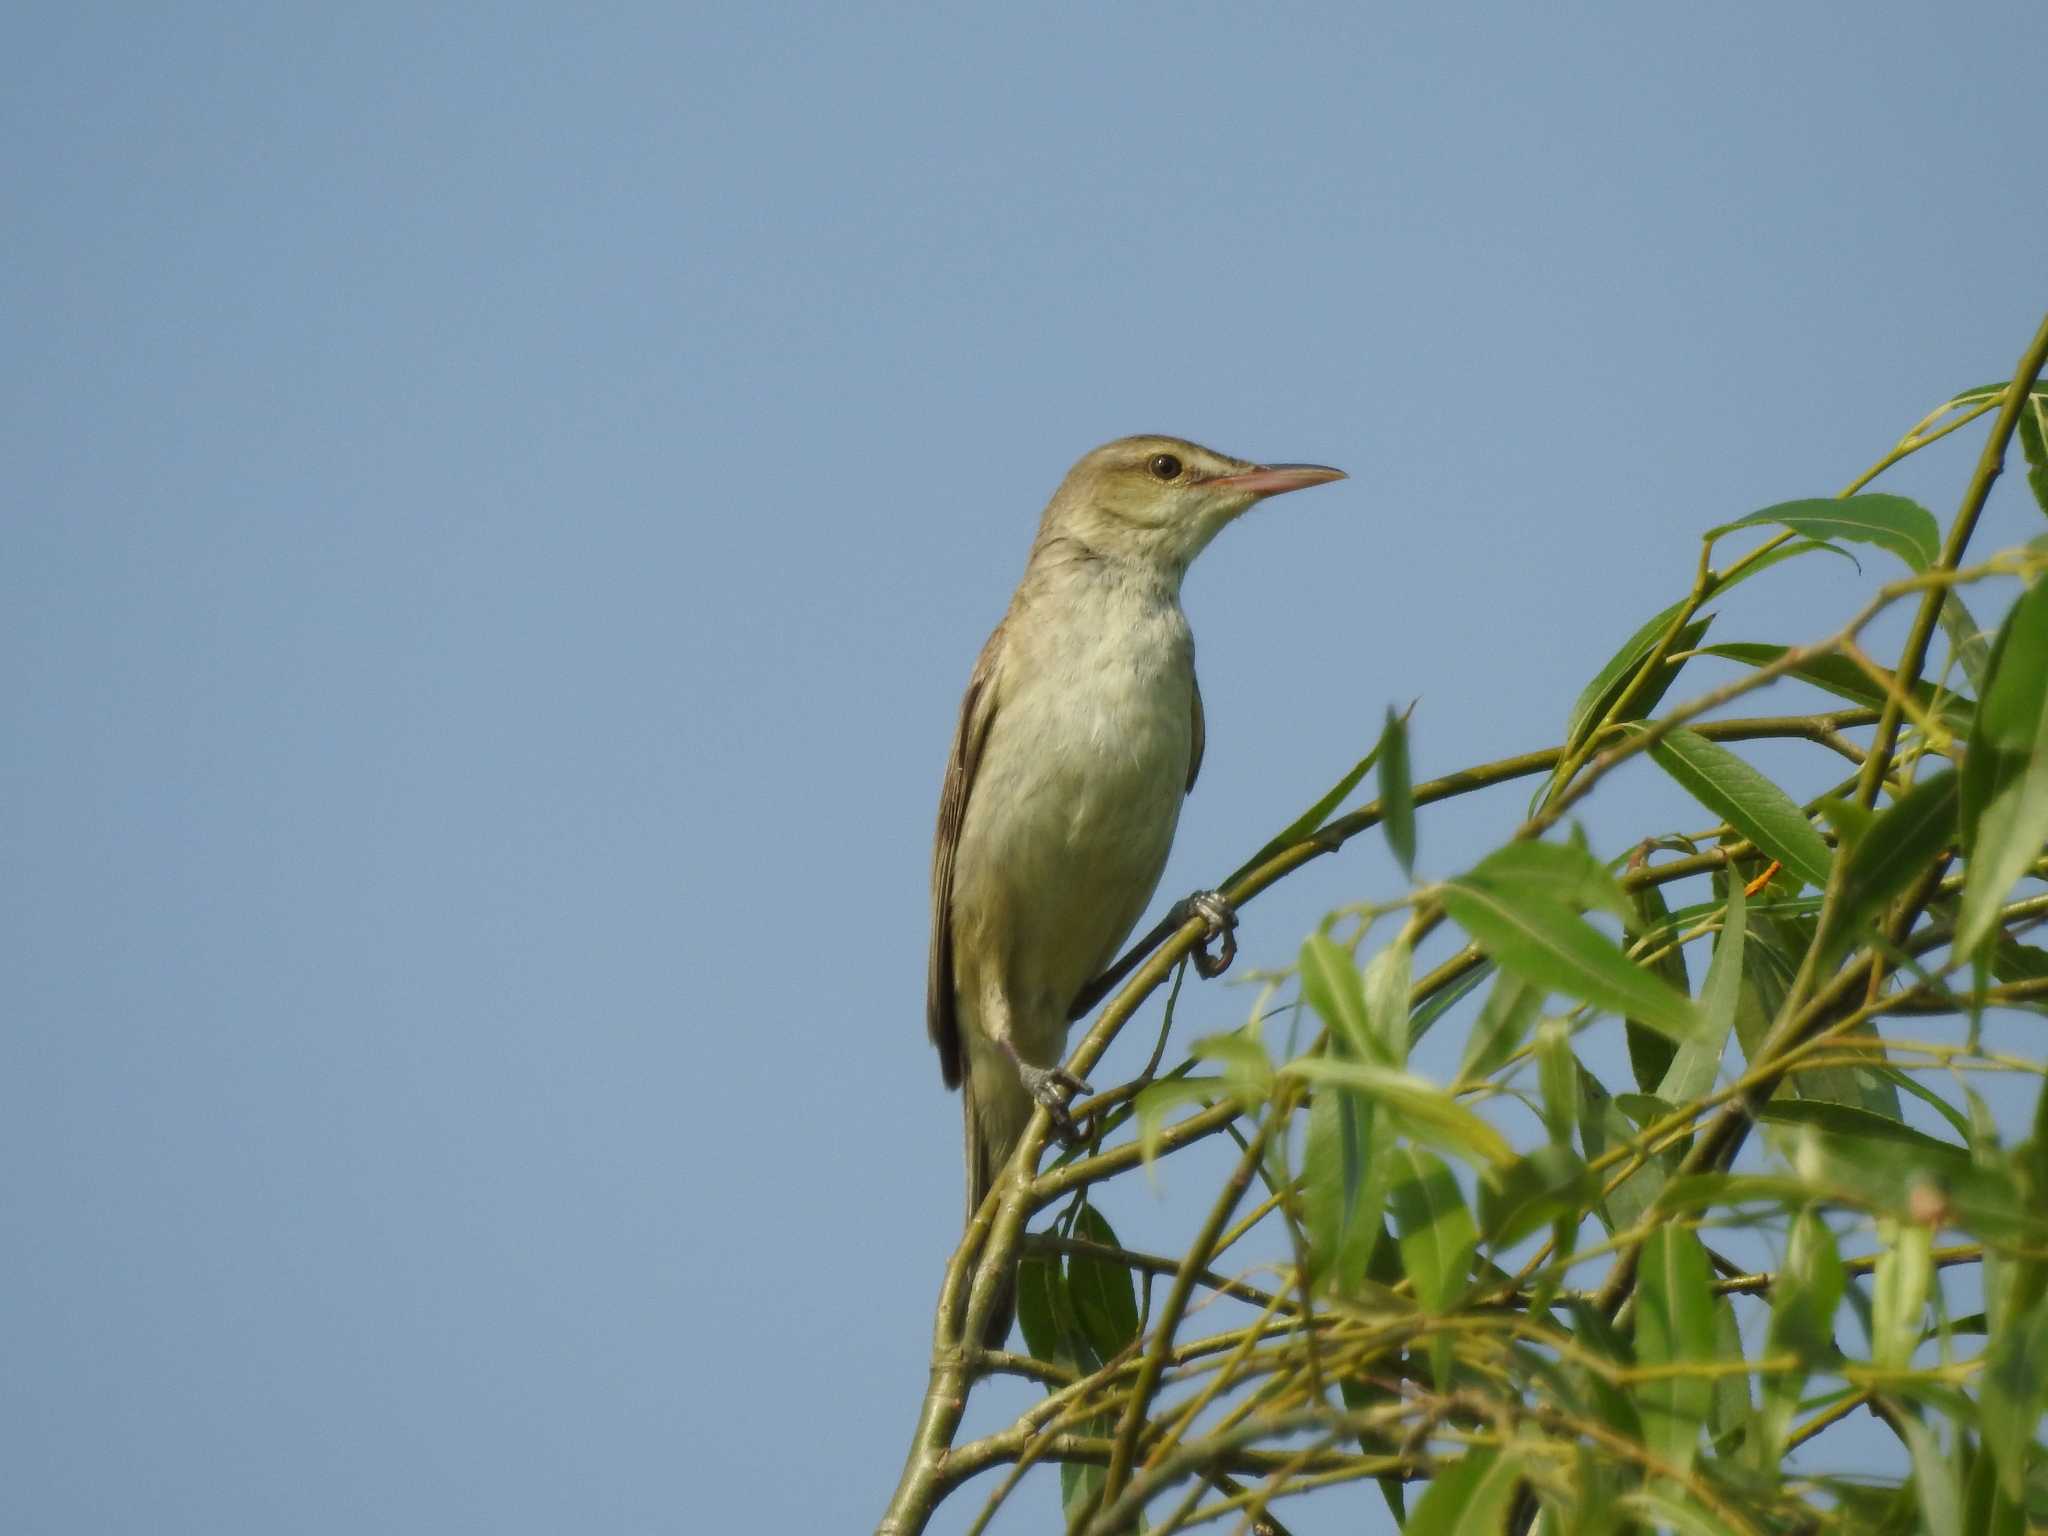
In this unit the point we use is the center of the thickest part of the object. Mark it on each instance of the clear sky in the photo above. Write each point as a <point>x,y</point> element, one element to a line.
<point>500,508</point>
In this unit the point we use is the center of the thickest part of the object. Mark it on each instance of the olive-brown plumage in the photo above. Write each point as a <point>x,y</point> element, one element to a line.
<point>1080,732</point>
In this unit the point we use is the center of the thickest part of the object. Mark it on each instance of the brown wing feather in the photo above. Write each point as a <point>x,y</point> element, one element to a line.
<point>1201,732</point>
<point>977,710</point>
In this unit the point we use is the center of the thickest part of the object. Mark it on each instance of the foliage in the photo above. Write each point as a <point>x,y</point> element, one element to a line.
<point>1574,1287</point>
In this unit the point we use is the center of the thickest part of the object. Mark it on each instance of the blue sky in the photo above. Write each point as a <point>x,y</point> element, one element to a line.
<point>501,509</point>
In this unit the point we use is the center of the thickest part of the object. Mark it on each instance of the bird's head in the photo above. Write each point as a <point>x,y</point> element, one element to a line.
<point>1160,500</point>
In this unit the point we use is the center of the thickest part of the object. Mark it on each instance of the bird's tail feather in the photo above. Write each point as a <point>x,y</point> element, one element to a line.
<point>984,1164</point>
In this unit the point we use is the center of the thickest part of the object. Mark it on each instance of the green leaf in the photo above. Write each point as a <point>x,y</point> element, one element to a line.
<point>1422,1109</point>
<point>1674,1327</point>
<point>1397,793</point>
<point>1978,394</point>
<point>1565,873</point>
<point>1608,684</point>
<point>1511,1007</point>
<point>1156,1101</point>
<point>1649,1053</point>
<point>1904,527</point>
<point>1729,787</point>
<point>1934,1479</point>
<point>1444,1000</point>
<point>1388,977</point>
<point>2014,1393</point>
<point>2033,433</point>
<point>1557,1075</point>
<point>1344,1178</point>
<point>1336,992</point>
<point>1849,819</point>
<point>1247,1069</point>
<point>2005,776</point>
<point>1902,841</point>
<point>1601,1123</point>
<point>1554,948</point>
<point>1052,1332</point>
<point>1532,1192</point>
<point>1470,1497</point>
<point>1854,1122</point>
<point>1843,678</point>
<point>1104,1293</point>
<point>1898,1292</point>
<point>1437,1235</point>
<point>1804,1301</point>
<point>1692,1071</point>
<point>1966,640</point>
<point>1042,1307</point>
<point>1309,820</point>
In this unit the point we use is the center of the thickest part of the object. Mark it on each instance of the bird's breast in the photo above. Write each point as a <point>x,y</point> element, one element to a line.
<point>1077,797</point>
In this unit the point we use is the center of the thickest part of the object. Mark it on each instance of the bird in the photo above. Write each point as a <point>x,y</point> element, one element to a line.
<point>1080,733</point>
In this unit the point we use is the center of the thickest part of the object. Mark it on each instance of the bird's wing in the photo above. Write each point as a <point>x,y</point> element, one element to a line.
<point>977,711</point>
<point>1201,732</point>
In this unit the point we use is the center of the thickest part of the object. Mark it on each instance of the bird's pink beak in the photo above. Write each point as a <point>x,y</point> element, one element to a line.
<point>1273,479</point>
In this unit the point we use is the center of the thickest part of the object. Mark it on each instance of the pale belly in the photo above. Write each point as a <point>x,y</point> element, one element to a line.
<point>1066,834</point>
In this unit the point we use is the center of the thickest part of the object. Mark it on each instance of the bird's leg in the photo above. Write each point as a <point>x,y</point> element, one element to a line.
<point>1212,906</point>
<point>1051,1086</point>
<point>1215,909</point>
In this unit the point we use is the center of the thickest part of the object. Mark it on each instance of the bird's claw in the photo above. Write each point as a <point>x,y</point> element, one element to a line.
<point>1215,909</point>
<point>1054,1087</point>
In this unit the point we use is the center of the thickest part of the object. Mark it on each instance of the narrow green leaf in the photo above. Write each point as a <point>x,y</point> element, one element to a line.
<point>1607,685</point>
<point>1662,1509</point>
<point>1156,1101</point>
<point>1422,1109</point>
<point>2015,1391</point>
<point>1848,819</point>
<point>1565,873</point>
<point>1557,1075</point>
<point>1967,640</point>
<point>1554,948</point>
<point>1602,1124</point>
<point>1104,1293</point>
<point>1336,992</point>
<point>1804,1301</point>
<point>1344,1177</point>
<point>1388,977</point>
<point>1041,1301</point>
<point>1693,1069</point>
<point>1532,1192</point>
<point>1444,1000</point>
<point>1397,793</point>
<point>1904,527</point>
<point>2005,776</point>
<point>1854,1122</point>
<point>1437,1235</point>
<point>1674,1327</point>
<point>1511,1007</point>
<point>1649,1053</point>
<point>1247,1069</point>
<point>1898,1292</point>
<point>1978,394</point>
<point>1309,820</point>
<point>1902,841</point>
<point>1749,802</point>
<point>2034,447</point>
<point>1842,677</point>
<point>1934,1479</point>
<point>1470,1497</point>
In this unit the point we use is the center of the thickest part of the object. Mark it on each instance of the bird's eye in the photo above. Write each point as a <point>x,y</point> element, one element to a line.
<point>1165,466</point>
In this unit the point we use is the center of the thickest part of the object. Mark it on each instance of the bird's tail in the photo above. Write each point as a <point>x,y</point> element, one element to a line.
<point>988,1148</point>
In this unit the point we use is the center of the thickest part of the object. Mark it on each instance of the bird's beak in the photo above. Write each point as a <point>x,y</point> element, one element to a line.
<point>1273,479</point>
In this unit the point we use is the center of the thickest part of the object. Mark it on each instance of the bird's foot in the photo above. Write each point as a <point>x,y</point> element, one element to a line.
<point>1054,1087</point>
<point>1215,909</point>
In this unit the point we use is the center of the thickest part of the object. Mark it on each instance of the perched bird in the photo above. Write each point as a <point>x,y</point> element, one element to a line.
<point>1079,734</point>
